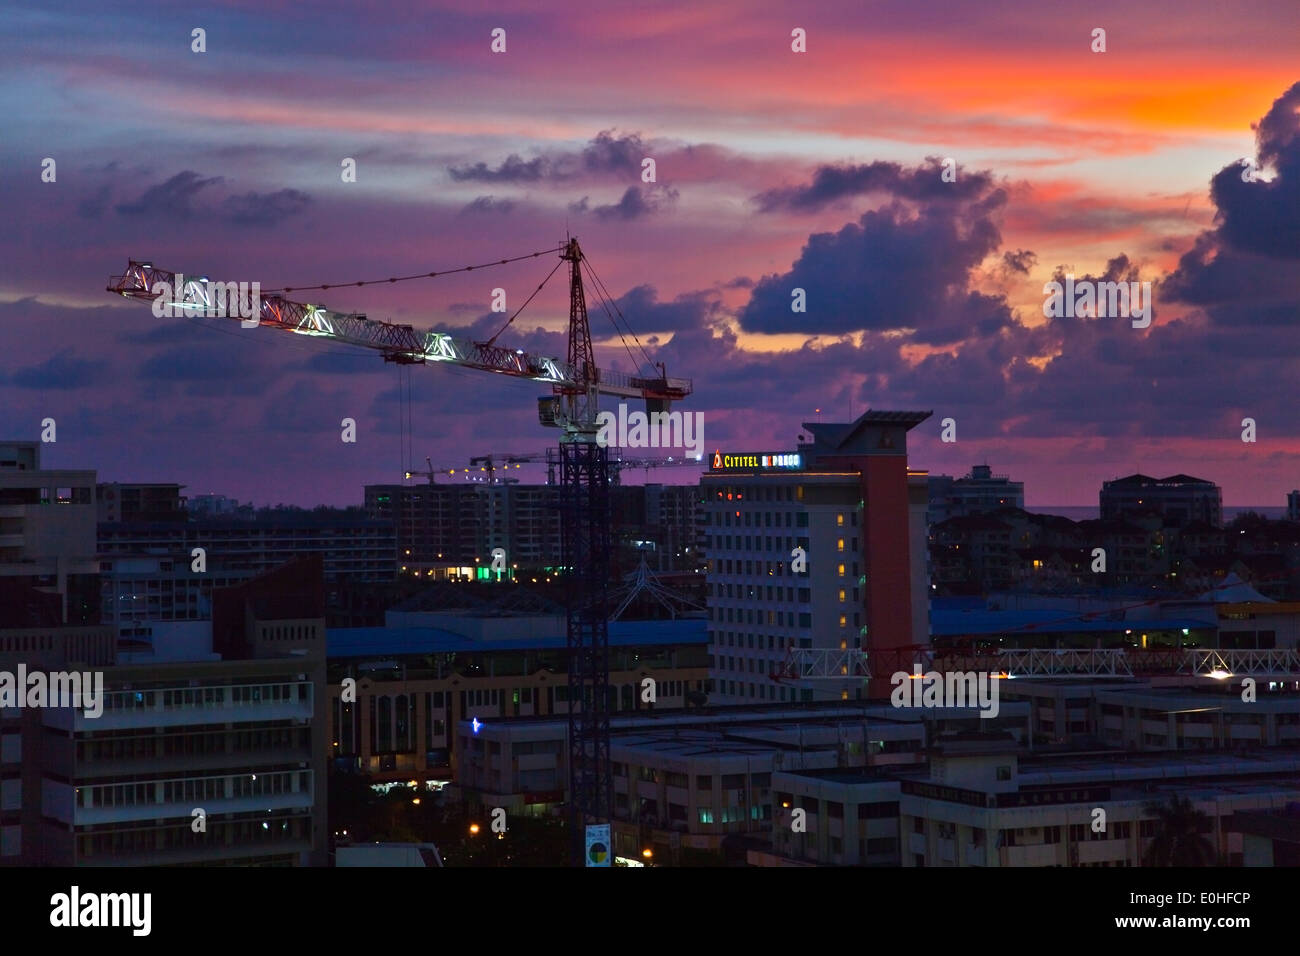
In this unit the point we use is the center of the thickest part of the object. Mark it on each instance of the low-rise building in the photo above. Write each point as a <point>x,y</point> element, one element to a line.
<point>984,804</point>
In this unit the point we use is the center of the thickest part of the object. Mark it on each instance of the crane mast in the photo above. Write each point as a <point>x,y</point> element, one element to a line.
<point>573,405</point>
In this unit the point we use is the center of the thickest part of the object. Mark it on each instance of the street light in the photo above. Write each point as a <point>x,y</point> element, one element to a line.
<point>473,828</point>
<point>647,853</point>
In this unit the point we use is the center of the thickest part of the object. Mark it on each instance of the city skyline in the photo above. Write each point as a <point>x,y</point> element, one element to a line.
<point>775,170</point>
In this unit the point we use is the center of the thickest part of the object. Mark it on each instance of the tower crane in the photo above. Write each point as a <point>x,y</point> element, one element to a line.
<point>491,462</point>
<point>488,463</point>
<point>431,473</point>
<point>576,384</point>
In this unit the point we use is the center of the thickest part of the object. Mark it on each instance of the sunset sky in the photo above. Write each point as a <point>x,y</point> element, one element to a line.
<point>775,170</point>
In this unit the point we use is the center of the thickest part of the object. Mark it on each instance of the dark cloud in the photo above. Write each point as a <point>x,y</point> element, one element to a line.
<point>63,371</point>
<point>1258,215</point>
<point>897,267</point>
<point>264,209</point>
<point>174,197</point>
<point>832,183</point>
<point>1243,272</point>
<point>487,204</point>
<point>1021,261</point>
<point>1118,269</point>
<point>637,201</point>
<point>606,154</point>
<point>233,364</point>
<point>513,170</point>
<point>645,313</point>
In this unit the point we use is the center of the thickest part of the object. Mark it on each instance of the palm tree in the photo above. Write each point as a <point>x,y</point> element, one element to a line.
<point>1178,840</point>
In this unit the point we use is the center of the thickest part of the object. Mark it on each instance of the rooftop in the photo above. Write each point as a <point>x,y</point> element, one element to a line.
<point>401,641</point>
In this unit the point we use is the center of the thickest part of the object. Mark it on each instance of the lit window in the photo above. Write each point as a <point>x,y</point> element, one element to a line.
<point>839,520</point>
<point>844,620</point>
<point>841,570</point>
<point>839,545</point>
<point>841,595</point>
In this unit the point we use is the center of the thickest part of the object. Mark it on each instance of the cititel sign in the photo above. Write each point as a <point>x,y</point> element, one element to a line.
<point>725,462</point>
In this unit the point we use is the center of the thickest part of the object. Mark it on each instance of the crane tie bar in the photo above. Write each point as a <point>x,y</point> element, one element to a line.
<point>418,275</point>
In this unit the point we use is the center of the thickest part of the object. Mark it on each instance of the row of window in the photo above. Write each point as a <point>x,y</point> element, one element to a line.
<point>761,492</point>
<point>189,744</point>
<point>748,665</point>
<point>746,518</point>
<point>752,641</point>
<point>729,615</point>
<point>761,691</point>
<point>703,781</point>
<point>194,789</point>
<point>834,810</point>
<point>220,833</point>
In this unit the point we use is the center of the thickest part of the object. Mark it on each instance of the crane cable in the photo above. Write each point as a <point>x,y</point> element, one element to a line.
<point>607,301</point>
<point>492,340</point>
<point>418,275</point>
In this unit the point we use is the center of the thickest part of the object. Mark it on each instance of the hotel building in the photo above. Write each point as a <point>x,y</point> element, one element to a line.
<point>847,498</point>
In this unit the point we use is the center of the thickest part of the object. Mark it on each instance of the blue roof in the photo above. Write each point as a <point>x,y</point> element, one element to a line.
<point>955,623</point>
<point>398,641</point>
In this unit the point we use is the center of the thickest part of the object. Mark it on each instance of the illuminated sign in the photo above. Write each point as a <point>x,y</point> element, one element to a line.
<point>760,462</point>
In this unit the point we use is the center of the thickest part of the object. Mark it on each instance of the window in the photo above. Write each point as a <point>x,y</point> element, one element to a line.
<point>1004,773</point>
<point>877,811</point>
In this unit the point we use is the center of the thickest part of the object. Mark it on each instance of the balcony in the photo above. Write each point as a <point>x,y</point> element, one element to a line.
<point>124,710</point>
<point>63,802</point>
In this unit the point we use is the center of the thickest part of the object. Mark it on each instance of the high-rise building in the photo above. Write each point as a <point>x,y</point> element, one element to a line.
<point>455,526</point>
<point>212,757</point>
<point>978,493</point>
<point>140,502</point>
<point>354,548</point>
<point>847,499</point>
<point>1293,506</point>
<point>47,530</point>
<point>1178,499</point>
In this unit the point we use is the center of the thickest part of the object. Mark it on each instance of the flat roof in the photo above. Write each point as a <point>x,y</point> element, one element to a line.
<point>1122,766</point>
<point>959,622</point>
<point>400,641</point>
<point>857,775</point>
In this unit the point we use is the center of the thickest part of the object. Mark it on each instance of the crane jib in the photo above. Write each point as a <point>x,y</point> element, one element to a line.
<point>408,345</point>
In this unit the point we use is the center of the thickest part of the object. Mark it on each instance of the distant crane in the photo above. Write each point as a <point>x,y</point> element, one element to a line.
<point>576,386</point>
<point>489,463</point>
<point>433,472</point>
